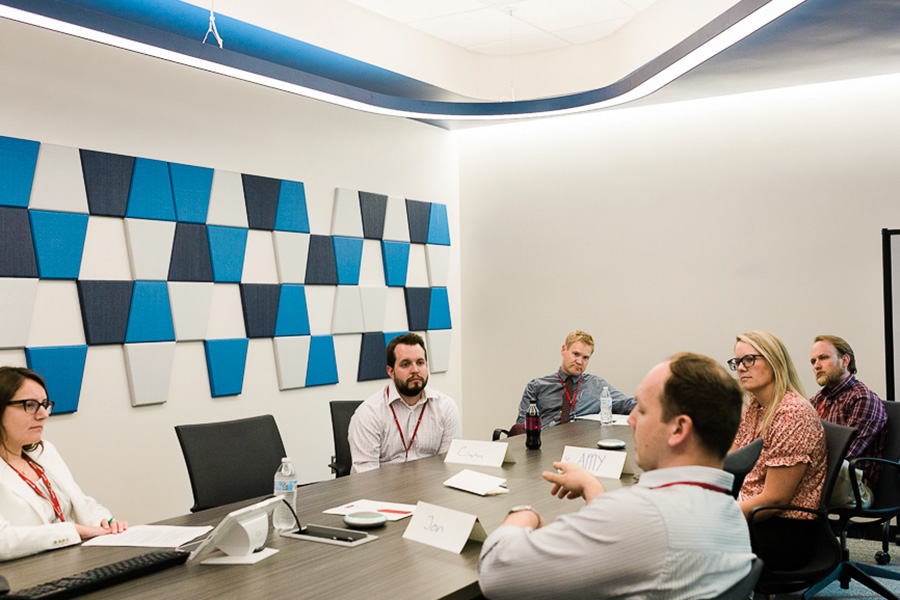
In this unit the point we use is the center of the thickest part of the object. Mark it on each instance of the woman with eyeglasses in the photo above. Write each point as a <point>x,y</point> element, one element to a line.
<point>41,506</point>
<point>791,466</point>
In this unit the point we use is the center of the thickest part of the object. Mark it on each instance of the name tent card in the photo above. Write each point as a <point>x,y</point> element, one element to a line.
<point>443,528</point>
<point>600,463</point>
<point>477,483</point>
<point>478,452</point>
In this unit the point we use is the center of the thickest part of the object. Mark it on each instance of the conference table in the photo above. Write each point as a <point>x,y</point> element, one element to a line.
<point>387,567</point>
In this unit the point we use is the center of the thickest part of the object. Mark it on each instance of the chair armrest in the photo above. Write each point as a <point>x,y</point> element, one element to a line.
<point>751,516</point>
<point>497,433</point>
<point>854,480</point>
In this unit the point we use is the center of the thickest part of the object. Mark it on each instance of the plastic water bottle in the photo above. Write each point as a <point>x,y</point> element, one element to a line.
<point>286,487</point>
<point>606,414</point>
<point>532,427</point>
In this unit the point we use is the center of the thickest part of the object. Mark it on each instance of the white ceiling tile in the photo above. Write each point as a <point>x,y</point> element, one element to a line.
<point>407,11</point>
<point>639,4</point>
<point>525,45</point>
<point>592,32</point>
<point>553,15</point>
<point>476,27</point>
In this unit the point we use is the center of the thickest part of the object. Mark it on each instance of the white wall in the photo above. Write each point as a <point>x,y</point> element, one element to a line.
<point>672,228</point>
<point>74,93</point>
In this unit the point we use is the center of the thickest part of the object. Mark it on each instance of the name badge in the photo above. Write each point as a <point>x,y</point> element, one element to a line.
<point>479,452</point>
<point>443,528</point>
<point>600,463</point>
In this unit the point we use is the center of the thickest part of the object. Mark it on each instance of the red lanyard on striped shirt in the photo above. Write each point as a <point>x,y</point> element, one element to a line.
<point>397,422</point>
<point>705,486</point>
<point>40,473</point>
<point>574,396</point>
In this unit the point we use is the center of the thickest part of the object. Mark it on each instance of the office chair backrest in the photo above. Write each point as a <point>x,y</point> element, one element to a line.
<point>887,491</point>
<point>740,462</point>
<point>837,441</point>
<point>744,588</point>
<point>231,461</point>
<point>341,412</point>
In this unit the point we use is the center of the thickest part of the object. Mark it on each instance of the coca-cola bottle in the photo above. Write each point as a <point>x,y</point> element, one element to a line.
<point>532,427</point>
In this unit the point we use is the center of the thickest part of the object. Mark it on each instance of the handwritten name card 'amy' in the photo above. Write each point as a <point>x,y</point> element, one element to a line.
<point>600,463</point>
<point>478,452</point>
<point>443,528</point>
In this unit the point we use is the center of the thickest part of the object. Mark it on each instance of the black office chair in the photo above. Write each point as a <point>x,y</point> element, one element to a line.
<point>744,588</point>
<point>740,462</point>
<point>885,506</point>
<point>231,461</point>
<point>341,411</point>
<point>825,549</point>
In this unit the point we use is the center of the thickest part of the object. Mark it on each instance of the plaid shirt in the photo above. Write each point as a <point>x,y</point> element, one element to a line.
<point>853,404</point>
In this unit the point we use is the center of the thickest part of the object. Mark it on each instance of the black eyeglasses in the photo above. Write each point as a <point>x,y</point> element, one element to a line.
<point>32,406</point>
<point>748,360</point>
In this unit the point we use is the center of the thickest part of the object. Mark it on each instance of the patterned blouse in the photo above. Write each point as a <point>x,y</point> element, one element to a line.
<point>794,436</point>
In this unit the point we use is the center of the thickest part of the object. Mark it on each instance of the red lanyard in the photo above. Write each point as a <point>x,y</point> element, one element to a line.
<point>397,422</point>
<point>573,397</point>
<point>705,486</point>
<point>821,406</point>
<point>40,472</point>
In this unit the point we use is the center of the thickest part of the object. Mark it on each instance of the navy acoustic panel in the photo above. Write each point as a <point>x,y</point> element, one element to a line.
<point>293,317</point>
<point>151,191</point>
<point>190,254</point>
<point>320,265</point>
<point>62,368</point>
<point>371,357</point>
<point>348,258</point>
<point>150,317</point>
<point>107,181</point>
<point>191,187</point>
<point>438,226</point>
<point>18,159</point>
<point>373,208</point>
<point>292,214</point>
<point>261,197</point>
<point>260,305</point>
<point>17,254</point>
<point>58,242</point>
<point>439,311</point>
<point>322,367</point>
<point>418,215</point>
<point>418,304</point>
<point>226,361</point>
<point>104,310</point>
<point>396,262</point>
<point>226,248</point>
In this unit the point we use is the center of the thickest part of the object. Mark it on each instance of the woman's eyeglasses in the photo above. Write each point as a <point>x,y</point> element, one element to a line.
<point>32,406</point>
<point>748,360</point>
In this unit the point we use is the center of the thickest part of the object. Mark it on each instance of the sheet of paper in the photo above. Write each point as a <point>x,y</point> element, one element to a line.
<point>477,483</point>
<point>151,536</point>
<point>617,419</point>
<point>393,511</point>
<point>479,452</point>
<point>443,528</point>
<point>601,463</point>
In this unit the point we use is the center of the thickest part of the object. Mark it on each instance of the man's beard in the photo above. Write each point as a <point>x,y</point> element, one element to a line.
<point>412,389</point>
<point>832,378</point>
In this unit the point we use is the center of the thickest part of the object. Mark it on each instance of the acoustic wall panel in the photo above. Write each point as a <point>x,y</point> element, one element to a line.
<point>291,361</point>
<point>149,370</point>
<point>347,258</point>
<point>395,310</point>
<point>58,242</point>
<point>346,219</point>
<point>418,214</point>
<point>321,268</point>
<point>320,306</point>
<point>17,162</point>
<point>105,306</point>
<point>371,268</point>
<point>292,213</point>
<point>439,311</point>
<point>260,307</point>
<point>191,303</point>
<point>107,181</point>
<point>105,255</point>
<point>191,187</point>
<point>56,319</point>
<point>58,181</point>
<point>150,317</point>
<point>371,357</point>
<point>373,208</point>
<point>226,200</point>
<point>225,363</point>
<point>17,258</point>
<point>417,271</point>
<point>259,258</point>
<point>62,368</point>
<point>396,224</point>
<point>437,259</point>
<point>322,368</point>
<point>226,248</point>
<point>396,262</point>
<point>291,252</point>
<point>418,303</point>
<point>151,191</point>
<point>226,315</point>
<point>348,314</point>
<point>293,318</point>
<point>17,297</point>
<point>374,303</point>
<point>438,225</point>
<point>190,260</point>
<point>149,247</point>
<point>438,350</point>
<point>261,198</point>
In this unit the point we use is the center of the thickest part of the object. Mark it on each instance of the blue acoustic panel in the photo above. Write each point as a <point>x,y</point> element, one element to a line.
<point>322,366</point>
<point>373,208</point>
<point>292,214</point>
<point>225,363</point>
<point>150,317</point>
<point>438,226</point>
<point>439,312</point>
<point>320,265</point>
<point>191,188</point>
<point>17,254</point>
<point>371,357</point>
<point>62,368</point>
<point>261,197</point>
<point>418,303</point>
<point>17,162</point>
<point>418,215</point>
<point>396,262</point>
<point>388,336</point>
<point>260,304</point>
<point>226,248</point>
<point>151,191</point>
<point>104,310</point>
<point>58,242</point>
<point>107,180</point>
<point>293,318</point>
<point>348,258</point>
<point>190,254</point>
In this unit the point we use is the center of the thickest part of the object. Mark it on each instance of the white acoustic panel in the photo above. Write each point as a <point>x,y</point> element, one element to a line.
<point>348,312</point>
<point>226,200</point>
<point>417,271</point>
<point>438,261</point>
<point>374,302</point>
<point>56,320</point>
<point>149,369</point>
<point>320,306</point>
<point>438,341</point>
<point>105,250</point>
<point>191,303</point>
<point>149,248</point>
<point>395,311</point>
<point>17,297</point>
<point>371,268</point>
<point>58,180</point>
<point>226,316</point>
<point>13,357</point>
<point>396,224</point>
<point>346,219</point>
<point>259,258</point>
<point>291,360</point>
<point>346,354</point>
<point>291,252</point>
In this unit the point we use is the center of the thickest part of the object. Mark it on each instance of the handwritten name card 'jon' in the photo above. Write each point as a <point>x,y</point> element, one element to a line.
<point>479,452</point>
<point>600,463</point>
<point>443,528</point>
